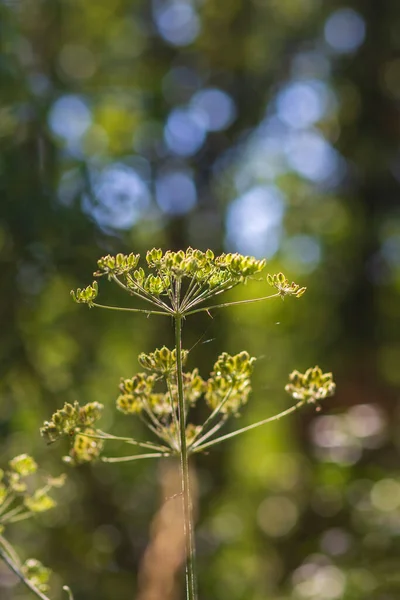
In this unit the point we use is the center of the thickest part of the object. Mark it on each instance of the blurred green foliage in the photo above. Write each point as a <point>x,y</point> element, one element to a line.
<point>264,127</point>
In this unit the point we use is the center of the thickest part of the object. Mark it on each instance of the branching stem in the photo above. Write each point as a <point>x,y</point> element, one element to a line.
<point>101,435</point>
<point>115,459</point>
<point>187,504</point>
<point>207,308</point>
<point>146,311</point>
<point>199,435</point>
<point>249,427</point>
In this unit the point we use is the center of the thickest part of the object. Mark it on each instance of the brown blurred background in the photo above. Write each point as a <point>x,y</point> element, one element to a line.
<point>267,127</point>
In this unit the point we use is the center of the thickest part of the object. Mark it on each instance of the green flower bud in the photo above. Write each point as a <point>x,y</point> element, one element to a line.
<point>85,449</point>
<point>230,382</point>
<point>283,286</point>
<point>311,386</point>
<point>70,419</point>
<point>139,277</point>
<point>15,483</point>
<point>161,361</point>
<point>134,392</point>
<point>23,465</point>
<point>153,257</point>
<point>116,265</point>
<point>86,295</point>
<point>40,501</point>
<point>37,574</point>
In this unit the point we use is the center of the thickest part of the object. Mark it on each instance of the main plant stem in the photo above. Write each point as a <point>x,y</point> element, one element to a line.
<point>191,593</point>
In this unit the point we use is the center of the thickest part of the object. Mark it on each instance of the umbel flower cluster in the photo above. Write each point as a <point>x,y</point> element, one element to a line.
<point>177,282</point>
<point>73,421</point>
<point>311,386</point>
<point>153,396</point>
<point>225,392</point>
<point>20,498</point>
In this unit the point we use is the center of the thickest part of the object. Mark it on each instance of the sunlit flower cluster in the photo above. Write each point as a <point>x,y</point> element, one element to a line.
<point>229,385</point>
<point>226,390</point>
<point>311,386</point>
<point>37,574</point>
<point>173,281</point>
<point>19,495</point>
<point>76,422</point>
<point>71,419</point>
<point>154,396</point>
<point>283,286</point>
<point>86,295</point>
<point>161,361</point>
<point>22,495</point>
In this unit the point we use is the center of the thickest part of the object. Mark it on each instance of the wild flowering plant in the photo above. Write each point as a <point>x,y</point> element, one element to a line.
<point>178,285</point>
<point>22,496</point>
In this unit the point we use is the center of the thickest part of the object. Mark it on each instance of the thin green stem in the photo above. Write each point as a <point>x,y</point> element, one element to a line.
<point>161,431</point>
<point>190,296</point>
<point>107,436</point>
<point>10,563</point>
<point>171,398</point>
<point>214,414</point>
<point>177,294</point>
<point>6,504</point>
<point>191,583</point>
<point>152,428</point>
<point>112,459</point>
<point>249,427</point>
<point>10,551</point>
<point>210,418</point>
<point>208,308</point>
<point>68,591</point>
<point>209,434</point>
<point>209,293</point>
<point>142,293</point>
<point>9,515</point>
<point>135,310</point>
<point>21,517</point>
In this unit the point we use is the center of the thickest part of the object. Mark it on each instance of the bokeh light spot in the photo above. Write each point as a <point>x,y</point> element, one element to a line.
<point>345,30</point>
<point>319,582</point>
<point>217,107</point>
<point>277,515</point>
<point>254,221</point>
<point>335,541</point>
<point>385,495</point>
<point>185,131</point>
<point>308,153</point>
<point>302,252</point>
<point>70,118</point>
<point>176,192</point>
<point>365,420</point>
<point>302,103</point>
<point>333,441</point>
<point>121,197</point>
<point>177,23</point>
